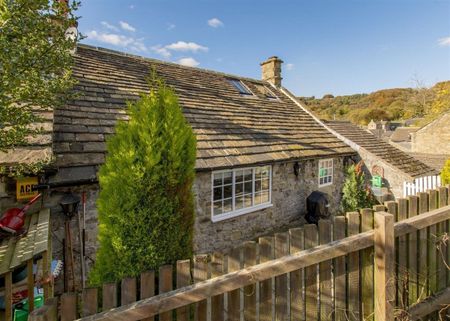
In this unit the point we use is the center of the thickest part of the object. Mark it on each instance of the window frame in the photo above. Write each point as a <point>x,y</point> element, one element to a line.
<point>233,81</point>
<point>245,210</point>
<point>272,97</point>
<point>322,161</point>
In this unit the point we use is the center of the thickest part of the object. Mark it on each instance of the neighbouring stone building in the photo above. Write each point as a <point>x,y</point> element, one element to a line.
<point>381,158</point>
<point>259,152</point>
<point>433,138</point>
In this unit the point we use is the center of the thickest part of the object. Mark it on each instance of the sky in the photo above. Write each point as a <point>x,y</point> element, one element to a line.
<point>334,47</point>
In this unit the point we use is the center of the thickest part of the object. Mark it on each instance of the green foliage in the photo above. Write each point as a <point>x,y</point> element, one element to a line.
<point>445,173</point>
<point>145,206</point>
<point>35,64</point>
<point>388,104</point>
<point>355,193</point>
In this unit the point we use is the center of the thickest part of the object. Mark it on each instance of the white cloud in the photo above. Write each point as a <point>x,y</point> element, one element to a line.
<point>132,6</point>
<point>289,66</point>
<point>188,61</point>
<point>444,42</point>
<point>109,26</point>
<point>160,50</point>
<point>117,40</point>
<point>186,46</point>
<point>171,26</point>
<point>215,23</point>
<point>126,26</point>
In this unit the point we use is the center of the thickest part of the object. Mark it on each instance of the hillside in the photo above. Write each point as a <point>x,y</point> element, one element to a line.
<point>386,104</point>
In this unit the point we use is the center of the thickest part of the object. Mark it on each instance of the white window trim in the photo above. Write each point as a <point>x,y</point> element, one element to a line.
<point>321,161</point>
<point>242,211</point>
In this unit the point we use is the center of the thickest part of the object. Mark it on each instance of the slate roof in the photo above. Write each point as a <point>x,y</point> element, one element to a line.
<point>403,134</point>
<point>231,130</point>
<point>382,149</point>
<point>436,161</point>
<point>37,148</point>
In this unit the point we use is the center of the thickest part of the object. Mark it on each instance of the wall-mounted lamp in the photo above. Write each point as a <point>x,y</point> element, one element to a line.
<point>69,204</point>
<point>296,169</point>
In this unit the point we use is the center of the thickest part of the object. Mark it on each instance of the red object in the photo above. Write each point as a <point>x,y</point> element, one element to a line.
<point>13,219</point>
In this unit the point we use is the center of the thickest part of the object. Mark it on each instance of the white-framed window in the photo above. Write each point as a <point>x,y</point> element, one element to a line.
<point>325,172</point>
<point>240,191</point>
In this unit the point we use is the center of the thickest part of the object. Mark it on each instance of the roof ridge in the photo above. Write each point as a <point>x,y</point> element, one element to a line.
<point>154,60</point>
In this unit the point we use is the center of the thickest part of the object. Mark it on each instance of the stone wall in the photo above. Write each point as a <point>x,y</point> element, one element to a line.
<point>289,195</point>
<point>433,138</point>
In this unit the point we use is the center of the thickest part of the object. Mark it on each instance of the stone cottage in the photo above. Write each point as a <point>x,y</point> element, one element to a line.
<point>259,153</point>
<point>395,166</point>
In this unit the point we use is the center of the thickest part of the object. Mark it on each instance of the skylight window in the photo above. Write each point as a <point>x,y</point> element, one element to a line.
<point>239,85</point>
<point>266,91</point>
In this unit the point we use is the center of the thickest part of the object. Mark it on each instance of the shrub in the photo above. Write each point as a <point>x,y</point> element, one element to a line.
<point>356,195</point>
<point>145,205</point>
<point>445,173</point>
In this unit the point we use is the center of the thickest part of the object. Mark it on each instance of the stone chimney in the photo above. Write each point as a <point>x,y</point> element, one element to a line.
<point>271,70</point>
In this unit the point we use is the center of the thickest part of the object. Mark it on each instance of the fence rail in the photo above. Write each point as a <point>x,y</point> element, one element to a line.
<point>359,267</point>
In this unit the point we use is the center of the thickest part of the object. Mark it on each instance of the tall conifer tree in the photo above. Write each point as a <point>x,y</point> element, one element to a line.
<point>145,206</point>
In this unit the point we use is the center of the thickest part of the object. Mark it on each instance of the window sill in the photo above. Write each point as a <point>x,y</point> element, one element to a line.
<point>324,185</point>
<point>243,211</point>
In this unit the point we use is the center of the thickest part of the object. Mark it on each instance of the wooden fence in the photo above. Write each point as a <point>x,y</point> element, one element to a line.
<point>421,184</point>
<point>340,270</point>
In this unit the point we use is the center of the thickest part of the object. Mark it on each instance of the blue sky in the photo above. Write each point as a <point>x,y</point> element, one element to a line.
<point>338,47</point>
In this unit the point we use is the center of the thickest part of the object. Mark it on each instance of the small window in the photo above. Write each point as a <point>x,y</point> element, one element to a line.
<point>325,172</point>
<point>239,85</point>
<point>239,191</point>
<point>266,92</point>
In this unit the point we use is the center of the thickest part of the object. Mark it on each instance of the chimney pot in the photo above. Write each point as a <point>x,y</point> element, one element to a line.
<point>271,70</point>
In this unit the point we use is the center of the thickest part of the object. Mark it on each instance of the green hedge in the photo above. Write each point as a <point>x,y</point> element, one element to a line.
<point>145,207</point>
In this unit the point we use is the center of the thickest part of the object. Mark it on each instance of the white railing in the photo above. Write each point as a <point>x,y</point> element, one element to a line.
<point>421,184</point>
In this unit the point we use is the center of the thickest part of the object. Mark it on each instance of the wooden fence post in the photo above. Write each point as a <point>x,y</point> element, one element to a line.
<point>384,266</point>
<point>128,291</point>
<point>89,301</point>
<point>234,298</point>
<point>69,307</point>
<point>281,307</point>
<point>340,293</point>
<point>183,279</point>
<point>165,285</point>
<point>311,240</point>
<point>217,302</point>
<point>109,296</point>
<point>266,249</point>
<point>413,209</point>
<point>367,267</point>
<point>353,271</point>
<point>297,244</point>
<point>147,287</point>
<point>250,290</point>
<point>325,286</point>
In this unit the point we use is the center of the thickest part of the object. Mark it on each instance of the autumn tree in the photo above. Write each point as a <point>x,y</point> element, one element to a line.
<point>35,61</point>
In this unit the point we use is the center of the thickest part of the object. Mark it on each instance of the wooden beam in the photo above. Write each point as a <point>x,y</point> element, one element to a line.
<point>429,305</point>
<point>384,266</point>
<point>421,221</point>
<point>237,279</point>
